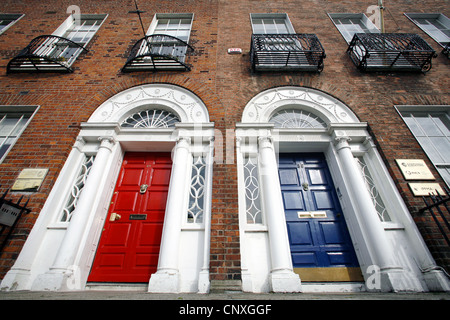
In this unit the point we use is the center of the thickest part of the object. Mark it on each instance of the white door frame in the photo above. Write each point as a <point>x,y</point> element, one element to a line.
<point>58,254</point>
<point>392,254</point>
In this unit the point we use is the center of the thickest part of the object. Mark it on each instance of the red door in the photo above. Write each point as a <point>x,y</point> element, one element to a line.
<point>129,245</point>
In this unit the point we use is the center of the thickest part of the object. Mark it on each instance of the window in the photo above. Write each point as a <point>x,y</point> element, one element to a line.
<point>151,118</point>
<point>431,127</point>
<point>77,188</point>
<point>293,118</point>
<point>176,25</point>
<point>436,25</point>
<point>350,23</point>
<point>275,46</point>
<point>278,23</point>
<point>13,121</point>
<point>252,191</point>
<point>197,190</point>
<point>8,19</point>
<point>165,46</point>
<point>80,32</point>
<point>57,52</point>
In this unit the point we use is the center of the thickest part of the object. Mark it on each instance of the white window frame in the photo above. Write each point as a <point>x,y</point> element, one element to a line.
<point>158,16</point>
<point>70,22</point>
<point>444,109</point>
<point>153,27</point>
<point>283,16</point>
<point>348,34</point>
<point>13,17</point>
<point>431,17</point>
<point>18,111</point>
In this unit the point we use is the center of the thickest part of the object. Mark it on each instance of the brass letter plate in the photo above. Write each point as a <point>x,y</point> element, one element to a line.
<point>311,214</point>
<point>138,216</point>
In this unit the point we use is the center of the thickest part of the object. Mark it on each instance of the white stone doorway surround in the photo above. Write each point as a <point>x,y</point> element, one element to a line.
<point>60,249</point>
<point>390,250</point>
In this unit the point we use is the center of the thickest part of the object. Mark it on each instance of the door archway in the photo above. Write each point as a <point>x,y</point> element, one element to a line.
<point>292,120</point>
<point>151,119</point>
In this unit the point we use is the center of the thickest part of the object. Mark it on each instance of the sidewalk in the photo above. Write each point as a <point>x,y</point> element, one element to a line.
<point>132,295</point>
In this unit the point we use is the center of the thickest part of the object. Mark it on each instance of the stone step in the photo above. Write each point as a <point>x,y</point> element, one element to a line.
<point>220,286</point>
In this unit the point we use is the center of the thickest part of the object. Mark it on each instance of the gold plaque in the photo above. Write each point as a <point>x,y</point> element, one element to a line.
<point>29,180</point>
<point>415,169</point>
<point>424,189</point>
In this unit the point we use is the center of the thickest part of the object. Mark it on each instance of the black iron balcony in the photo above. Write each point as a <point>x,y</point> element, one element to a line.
<point>46,53</point>
<point>390,52</point>
<point>446,50</point>
<point>286,52</point>
<point>158,52</point>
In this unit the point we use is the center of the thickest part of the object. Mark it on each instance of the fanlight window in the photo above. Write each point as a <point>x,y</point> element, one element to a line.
<point>153,118</point>
<point>293,118</point>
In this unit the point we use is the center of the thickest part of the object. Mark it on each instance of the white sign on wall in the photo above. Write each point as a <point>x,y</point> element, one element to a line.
<point>415,169</point>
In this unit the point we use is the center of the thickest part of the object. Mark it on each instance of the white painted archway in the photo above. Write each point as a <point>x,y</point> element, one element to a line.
<point>59,252</point>
<point>383,233</point>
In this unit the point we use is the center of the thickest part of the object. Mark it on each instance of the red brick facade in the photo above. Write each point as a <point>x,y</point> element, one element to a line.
<point>224,82</point>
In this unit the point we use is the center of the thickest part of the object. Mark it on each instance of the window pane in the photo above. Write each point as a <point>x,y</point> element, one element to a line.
<point>12,126</point>
<point>281,26</point>
<point>428,126</point>
<point>258,27</point>
<point>430,149</point>
<point>413,125</point>
<point>443,124</point>
<point>3,148</point>
<point>442,145</point>
<point>445,174</point>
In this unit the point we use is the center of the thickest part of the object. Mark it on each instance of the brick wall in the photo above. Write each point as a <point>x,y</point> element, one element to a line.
<point>224,82</point>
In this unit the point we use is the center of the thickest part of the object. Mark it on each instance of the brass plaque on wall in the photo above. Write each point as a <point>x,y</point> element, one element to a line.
<point>414,169</point>
<point>29,180</point>
<point>424,189</point>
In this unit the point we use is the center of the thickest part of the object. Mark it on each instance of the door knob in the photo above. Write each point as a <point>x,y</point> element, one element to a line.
<point>114,217</point>
<point>305,186</point>
<point>143,188</point>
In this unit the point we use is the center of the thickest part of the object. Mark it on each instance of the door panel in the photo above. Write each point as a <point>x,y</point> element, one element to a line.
<point>128,250</point>
<point>317,231</point>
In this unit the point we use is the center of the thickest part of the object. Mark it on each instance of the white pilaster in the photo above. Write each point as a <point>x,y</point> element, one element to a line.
<point>58,277</point>
<point>166,279</point>
<point>282,277</point>
<point>203,280</point>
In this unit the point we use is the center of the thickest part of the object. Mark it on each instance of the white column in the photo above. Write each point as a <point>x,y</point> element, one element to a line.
<point>282,277</point>
<point>381,250</point>
<point>166,279</point>
<point>59,275</point>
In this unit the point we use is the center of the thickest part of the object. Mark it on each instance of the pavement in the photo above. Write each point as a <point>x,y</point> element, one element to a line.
<point>222,296</point>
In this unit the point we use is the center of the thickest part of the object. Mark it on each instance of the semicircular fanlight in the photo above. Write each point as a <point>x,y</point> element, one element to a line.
<point>294,118</point>
<point>152,118</point>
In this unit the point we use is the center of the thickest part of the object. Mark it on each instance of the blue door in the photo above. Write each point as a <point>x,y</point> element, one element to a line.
<point>318,235</point>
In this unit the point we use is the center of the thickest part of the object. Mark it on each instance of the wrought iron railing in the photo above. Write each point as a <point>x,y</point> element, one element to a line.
<point>281,52</point>
<point>446,50</point>
<point>46,53</point>
<point>10,213</point>
<point>158,52</point>
<point>390,52</point>
<point>438,207</point>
